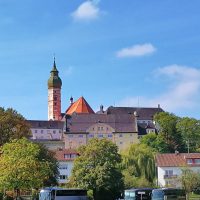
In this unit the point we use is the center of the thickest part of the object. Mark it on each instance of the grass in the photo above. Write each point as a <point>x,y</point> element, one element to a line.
<point>194,197</point>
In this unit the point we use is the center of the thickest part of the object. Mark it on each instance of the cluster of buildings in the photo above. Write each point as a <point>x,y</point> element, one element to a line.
<point>64,132</point>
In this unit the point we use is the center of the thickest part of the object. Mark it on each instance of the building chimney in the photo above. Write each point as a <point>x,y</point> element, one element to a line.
<point>176,152</point>
<point>136,114</point>
<point>71,100</point>
<point>101,108</point>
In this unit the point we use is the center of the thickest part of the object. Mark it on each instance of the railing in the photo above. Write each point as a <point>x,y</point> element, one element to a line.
<point>170,176</point>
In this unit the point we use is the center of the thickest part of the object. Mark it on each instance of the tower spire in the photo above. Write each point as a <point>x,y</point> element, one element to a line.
<point>54,63</point>
<point>54,94</point>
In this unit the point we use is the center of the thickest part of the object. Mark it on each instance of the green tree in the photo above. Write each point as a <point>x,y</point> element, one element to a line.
<point>97,169</point>
<point>190,180</point>
<point>167,124</point>
<point>155,141</point>
<point>49,157</point>
<point>139,166</point>
<point>24,165</point>
<point>190,131</point>
<point>12,126</point>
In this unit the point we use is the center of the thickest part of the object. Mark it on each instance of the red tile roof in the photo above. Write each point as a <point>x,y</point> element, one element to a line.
<point>60,154</point>
<point>175,159</point>
<point>79,106</point>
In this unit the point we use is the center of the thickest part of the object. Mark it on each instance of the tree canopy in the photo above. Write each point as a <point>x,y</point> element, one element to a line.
<point>190,180</point>
<point>12,126</point>
<point>189,128</point>
<point>138,166</point>
<point>25,165</point>
<point>175,133</point>
<point>167,124</point>
<point>97,169</point>
<point>155,141</point>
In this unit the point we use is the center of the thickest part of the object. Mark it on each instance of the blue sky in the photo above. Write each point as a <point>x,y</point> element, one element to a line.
<point>112,52</point>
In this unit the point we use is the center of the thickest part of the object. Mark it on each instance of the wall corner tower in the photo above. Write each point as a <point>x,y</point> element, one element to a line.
<point>54,94</point>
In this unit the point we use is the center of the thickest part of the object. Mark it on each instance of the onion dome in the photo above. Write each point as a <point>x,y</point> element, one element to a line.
<point>54,80</point>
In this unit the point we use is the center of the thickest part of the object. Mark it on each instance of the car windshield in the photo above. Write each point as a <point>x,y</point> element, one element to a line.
<point>44,195</point>
<point>157,195</point>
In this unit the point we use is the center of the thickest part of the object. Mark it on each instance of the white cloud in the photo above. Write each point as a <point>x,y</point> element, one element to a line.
<point>88,10</point>
<point>182,91</point>
<point>136,50</point>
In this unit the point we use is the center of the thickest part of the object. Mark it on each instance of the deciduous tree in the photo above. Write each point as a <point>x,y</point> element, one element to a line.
<point>24,165</point>
<point>167,124</point>
<point>190,132</point>
<point>12,126</point>
<point>96,169</point>
<point>155,141</point>
<point>138,165</point>
<point>190,180</point>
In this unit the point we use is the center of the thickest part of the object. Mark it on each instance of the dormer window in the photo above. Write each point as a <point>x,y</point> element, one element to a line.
<point>189,161</point>
<point>197,161</point>
<point>66,156</point>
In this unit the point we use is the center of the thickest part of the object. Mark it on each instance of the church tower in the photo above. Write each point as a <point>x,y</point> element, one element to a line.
<point>54,94</point>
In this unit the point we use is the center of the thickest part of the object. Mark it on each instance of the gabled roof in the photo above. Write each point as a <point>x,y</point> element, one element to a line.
<point>120,123</point>
<point>175,159</point>
<point>44,124</point>
<point>143,113</point>
<point>60,154</point>
<point>79,106</point>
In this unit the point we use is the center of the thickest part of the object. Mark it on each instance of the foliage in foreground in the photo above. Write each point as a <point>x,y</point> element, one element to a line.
<point>190,180</point>
<point>25,165</point>
<point>138,166</point>
<point>97,169</point>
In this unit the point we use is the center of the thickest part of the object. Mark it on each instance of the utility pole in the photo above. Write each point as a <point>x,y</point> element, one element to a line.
<point>188,145</point>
